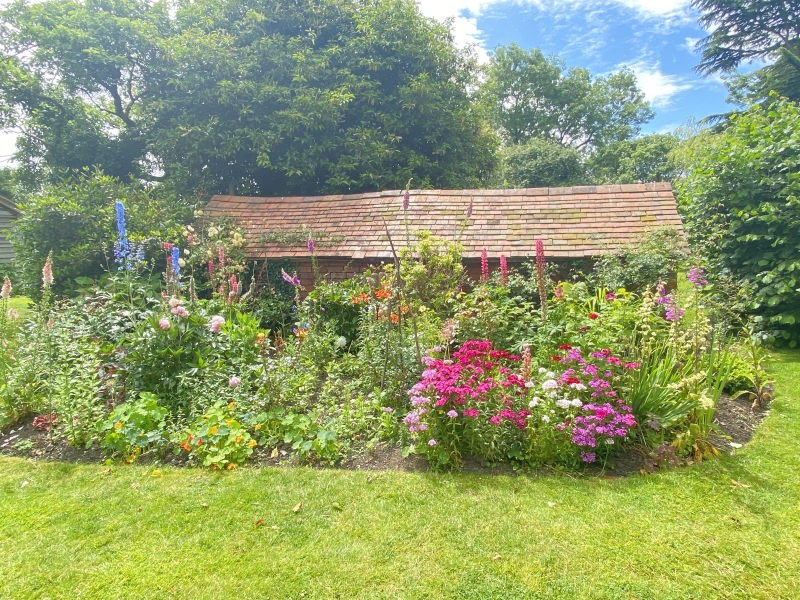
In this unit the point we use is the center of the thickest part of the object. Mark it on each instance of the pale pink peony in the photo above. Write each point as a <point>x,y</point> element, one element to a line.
<point>234,381</point>
<point>175,302</point>
<point>163,323</point>
<point>216,323</point>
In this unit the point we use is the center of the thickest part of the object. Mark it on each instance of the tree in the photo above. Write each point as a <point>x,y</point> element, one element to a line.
<point>542,163</point>
<point>749,30</point>
<point>248,96</point>
<point>741,211</point>
<point>642,160</point>
<point>529,95</point>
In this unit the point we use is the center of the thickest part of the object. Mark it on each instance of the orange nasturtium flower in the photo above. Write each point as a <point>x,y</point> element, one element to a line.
<point>214,430</point>
<point>118,426</point>
<point>252,444</point>
<point>238,439</point>
<point>232,405</point>
<point>231,466</point>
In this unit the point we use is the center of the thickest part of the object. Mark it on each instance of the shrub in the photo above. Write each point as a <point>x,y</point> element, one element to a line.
<point>741,211</point>
<point>134,427</point>
<point>217,440</point>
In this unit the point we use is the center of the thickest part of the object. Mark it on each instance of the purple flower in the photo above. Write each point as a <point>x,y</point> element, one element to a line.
<point>310,246</point>
<point>290,279</point>
<point>696,276</point>
<point>388,409</point>
<point>588,457</point>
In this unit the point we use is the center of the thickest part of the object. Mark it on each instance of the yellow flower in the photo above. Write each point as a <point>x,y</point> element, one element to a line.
<point>252,444</point>
<point>118,426</point>
<point>231,466</point>
<point>229,422</point>
<point>214,430</point>
<point>239,439</point>
<point>232,405</point>
<point>257,427</point>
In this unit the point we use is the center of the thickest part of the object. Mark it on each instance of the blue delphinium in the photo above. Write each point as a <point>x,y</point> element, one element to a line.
<point>176,267</point>
<point>121,248</point>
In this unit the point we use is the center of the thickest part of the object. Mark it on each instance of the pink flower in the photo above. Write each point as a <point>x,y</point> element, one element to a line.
<point>216,323</point>
<point>503,270</point>
<point>163,323</point>
<point>47,272</point>
<point>484,266</point>
<point>452,414</point>
<point>175,302</point>
<point>632,365</point>
<point>234,382</point>
<point>593,316</point>
<point>180,311</point>
<point>431,442</point>
<point>12,314</point>
<point>611,296</point>
<point>5,293</point>
<point>470,412</point>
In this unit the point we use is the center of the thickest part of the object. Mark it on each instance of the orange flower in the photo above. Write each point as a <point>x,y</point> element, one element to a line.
<point>231,466</point>
<point>214,430</point>
<point>239,439</point>
<point>382,294</point>
<point>361,298</point>
<point>252,444</point>
<point>404,309</point>
<point>118,426</point>
<point>395,319</point>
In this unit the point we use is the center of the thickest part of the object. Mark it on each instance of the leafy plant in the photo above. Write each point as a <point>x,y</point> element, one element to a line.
<point>217,439</point>
<point>134,427</point>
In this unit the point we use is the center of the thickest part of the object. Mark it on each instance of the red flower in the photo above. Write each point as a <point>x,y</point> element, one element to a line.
<point>572,380</point>
<point>565,347</point>
<point>584,329</point>
<point>593,316</point>
<point>557,358</point>
<point>611,297</point>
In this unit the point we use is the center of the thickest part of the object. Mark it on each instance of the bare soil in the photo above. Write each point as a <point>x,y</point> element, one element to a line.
<point>735,419</point>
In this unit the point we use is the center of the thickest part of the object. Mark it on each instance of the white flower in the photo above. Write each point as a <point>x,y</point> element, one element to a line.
<point>576,403</point>
<point>549,375</point>
<point>529,384</point>
<point>545,418</point>
<point>341,341</point>
<point>542,370</point>
<point>212,231</point>
<point>564,403</point>
<point>610,441</point>
<point>578,386</point>
<point>533,403</point>
<point>550,384</point>
<point>552,412</point>
<point>181,262</point>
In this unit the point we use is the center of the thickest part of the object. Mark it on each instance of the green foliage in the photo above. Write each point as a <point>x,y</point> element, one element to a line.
<point>254,96</point>
<point>75,221</point>
<point>530,95</point>
<point>432,271</point>
<point>744,31</point>
<point>742,214</point>
<point>134,427</point>
<point>641,160</point>
<point>542,162</point>
<point>654,257</point>
<point>217,440</point>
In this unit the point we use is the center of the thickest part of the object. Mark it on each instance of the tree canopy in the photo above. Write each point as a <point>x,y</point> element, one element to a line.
<point>530,95</point>
<point>251,96</point>
<point>750,30</point>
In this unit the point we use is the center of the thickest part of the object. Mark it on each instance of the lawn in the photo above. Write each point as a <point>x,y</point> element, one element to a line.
<point>721,529</point>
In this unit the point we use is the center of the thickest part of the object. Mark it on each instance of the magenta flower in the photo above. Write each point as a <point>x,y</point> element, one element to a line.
<point>310,246</point>
<point>695,275</point>
<point>484,266</point>
<point>471,413</point>
<point>503,270</point>
<point>290,279</point>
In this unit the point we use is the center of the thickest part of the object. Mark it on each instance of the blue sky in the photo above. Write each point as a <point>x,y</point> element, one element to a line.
<point>654,38</point>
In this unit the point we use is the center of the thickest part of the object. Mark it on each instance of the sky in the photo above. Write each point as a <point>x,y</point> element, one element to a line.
<point>653,38</point>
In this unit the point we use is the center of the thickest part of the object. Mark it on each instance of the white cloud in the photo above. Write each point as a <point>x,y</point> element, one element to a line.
<point>658,87</point>
<point>7,141</point>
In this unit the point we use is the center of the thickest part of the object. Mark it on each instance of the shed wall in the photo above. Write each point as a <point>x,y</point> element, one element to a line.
<point>6,251</point>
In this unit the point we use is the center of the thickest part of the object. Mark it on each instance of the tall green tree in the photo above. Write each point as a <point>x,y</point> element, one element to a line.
<point>741,209</point>
<point>641,160</point>
<point>751,30</point>
<point>541,162</point>
<point>249,96</point>
<point>530,95</point>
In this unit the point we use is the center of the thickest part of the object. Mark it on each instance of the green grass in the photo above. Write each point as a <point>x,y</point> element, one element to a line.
<point>88,531</point>
<point>21,305</point>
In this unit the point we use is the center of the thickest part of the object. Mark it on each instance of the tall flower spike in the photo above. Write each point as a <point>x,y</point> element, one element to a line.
<point>176,267</point>
<point>484,266</point>
<point>541,265</point>
<point>526,361</point>
<point>310,245</point>
<point>121,246</point>
<point>47,271</point>
<point>5,293</point>
<point>469,210</point>
<point>406,200</point>
<point>503,270</point>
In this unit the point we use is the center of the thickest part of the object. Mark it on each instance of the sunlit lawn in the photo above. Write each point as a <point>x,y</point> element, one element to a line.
<point>723,529</point>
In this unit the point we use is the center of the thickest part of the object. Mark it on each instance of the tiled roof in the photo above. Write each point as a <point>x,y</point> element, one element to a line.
<point>572,222</point>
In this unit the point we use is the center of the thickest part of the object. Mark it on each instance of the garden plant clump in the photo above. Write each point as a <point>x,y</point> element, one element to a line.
<point>217,362</point>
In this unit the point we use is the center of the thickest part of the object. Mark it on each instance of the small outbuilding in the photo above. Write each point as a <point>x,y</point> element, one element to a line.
<point>8,212</point>
<point>350,231</point>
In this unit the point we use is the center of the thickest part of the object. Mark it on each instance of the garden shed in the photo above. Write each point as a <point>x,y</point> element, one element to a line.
<point>574,223</point>
<point>8,212</point>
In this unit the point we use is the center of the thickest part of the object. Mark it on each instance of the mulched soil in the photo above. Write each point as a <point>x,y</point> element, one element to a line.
<point>734,418</point>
